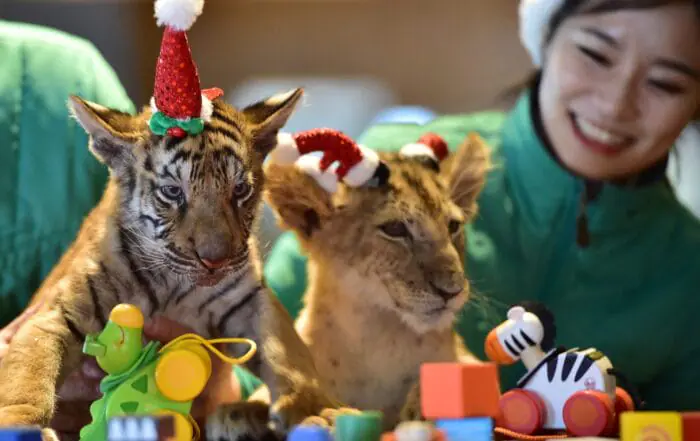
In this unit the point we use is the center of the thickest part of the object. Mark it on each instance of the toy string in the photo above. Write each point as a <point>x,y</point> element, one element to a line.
<point>523,437</point>
<point>210,345</point>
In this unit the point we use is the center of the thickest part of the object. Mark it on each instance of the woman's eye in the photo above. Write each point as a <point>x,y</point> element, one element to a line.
<point>171,192</point>
<point>595,56</point>
<point>395,229</point>
<point>241,190</point>
<point>667,87</point>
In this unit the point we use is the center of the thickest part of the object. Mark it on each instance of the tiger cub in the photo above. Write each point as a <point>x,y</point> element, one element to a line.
<point>174,233</point>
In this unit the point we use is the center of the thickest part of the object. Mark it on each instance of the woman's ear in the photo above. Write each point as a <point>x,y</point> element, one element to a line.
<point>297,199</point>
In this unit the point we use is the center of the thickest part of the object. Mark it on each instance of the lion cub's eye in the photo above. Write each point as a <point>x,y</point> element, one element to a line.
<point>454,226</point>
<point>171,192</point>
<point>395,229</point>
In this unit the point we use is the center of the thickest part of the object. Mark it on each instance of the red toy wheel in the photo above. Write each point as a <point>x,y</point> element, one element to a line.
<point>623,401</point>
<point>588,413</point>
<point>522,411</point>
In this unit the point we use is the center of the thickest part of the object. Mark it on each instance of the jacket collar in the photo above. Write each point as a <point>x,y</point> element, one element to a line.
<point>545,187</point>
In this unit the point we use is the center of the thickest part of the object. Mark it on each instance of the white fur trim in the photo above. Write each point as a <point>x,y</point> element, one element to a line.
<point>286,151</point>
<point>311,166</point>
<point>363,171</point>
<point>154,108</point>
<point>207,109</point>
<point>416,149</point>
<point>178,14</point>
<point>535,16</point>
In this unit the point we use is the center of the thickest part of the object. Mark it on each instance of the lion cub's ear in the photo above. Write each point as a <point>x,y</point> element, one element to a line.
<point>466,170</point>
<point>112,133</point>
<point>299,202</point>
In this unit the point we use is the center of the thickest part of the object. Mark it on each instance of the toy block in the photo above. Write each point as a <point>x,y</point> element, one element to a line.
<point>20,434</point>
<point>309,433</point>
<point>666,426</point>
<point>366,426</point>
<point>142,428</point>
<point>691,425</point>
<point>467,429</point>
<point>414,431</point>
<point>458,390</point>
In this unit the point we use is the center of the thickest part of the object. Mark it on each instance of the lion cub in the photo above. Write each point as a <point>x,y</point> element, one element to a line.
<point>385,244</point>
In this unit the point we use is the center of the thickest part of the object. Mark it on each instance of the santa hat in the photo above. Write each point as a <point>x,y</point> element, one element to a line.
<point>357,165</point>
<point>178,104</point>
<point>430,145</point>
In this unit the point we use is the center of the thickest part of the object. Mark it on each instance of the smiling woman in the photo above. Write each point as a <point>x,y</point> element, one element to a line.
<point>577,213</point>
<point>616,95</point>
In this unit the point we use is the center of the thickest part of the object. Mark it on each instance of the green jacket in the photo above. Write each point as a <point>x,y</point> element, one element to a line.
<point>632,293</point>
<point>49,179</point>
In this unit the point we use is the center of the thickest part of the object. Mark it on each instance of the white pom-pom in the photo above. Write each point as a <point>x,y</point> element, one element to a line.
<point>178,14</point>
<point>286,151</point>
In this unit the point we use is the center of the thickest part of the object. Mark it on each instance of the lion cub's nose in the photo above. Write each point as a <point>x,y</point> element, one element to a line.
<point>447,294</point>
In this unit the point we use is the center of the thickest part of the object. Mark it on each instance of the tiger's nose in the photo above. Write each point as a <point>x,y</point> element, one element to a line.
<point>214,264</point>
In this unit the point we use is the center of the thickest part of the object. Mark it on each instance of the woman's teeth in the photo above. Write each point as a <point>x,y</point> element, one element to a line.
<point>597,134</point>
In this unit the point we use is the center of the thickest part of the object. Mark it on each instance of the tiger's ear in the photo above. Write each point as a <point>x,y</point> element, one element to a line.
<point>268,116</point>
<point>112,133</point>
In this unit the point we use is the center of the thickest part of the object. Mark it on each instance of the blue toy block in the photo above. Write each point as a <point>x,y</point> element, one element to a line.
<point>467,429</point>
<point>20,434</point>
<point>309,433</point>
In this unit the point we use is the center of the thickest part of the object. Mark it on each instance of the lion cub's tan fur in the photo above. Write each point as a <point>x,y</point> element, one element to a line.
<point>372,314</point>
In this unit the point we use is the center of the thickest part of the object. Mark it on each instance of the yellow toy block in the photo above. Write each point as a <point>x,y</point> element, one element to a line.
<point>651,426</point>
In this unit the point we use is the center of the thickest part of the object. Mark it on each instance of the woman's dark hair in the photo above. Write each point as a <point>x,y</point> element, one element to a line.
<point>571,8</point>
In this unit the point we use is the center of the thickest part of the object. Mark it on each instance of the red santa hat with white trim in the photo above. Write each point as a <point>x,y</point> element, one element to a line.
<point>429,145</point>
<point>179,106</point>
<point>357,164</point>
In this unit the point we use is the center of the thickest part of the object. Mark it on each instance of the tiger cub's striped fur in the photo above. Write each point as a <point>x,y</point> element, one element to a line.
<point>172,234</point>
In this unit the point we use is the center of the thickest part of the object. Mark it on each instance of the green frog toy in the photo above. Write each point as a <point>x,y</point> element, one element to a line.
<point>150,379</point>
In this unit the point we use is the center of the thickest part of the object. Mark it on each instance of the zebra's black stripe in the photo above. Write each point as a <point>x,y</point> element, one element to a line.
<point>569,360</point>
<point>551,368</point>
<point>99,314</point>
<point>527,338</point>
<point>511,348</point>
<point>586,363</point>
<point>135,271</point>
<point>221,292</point>
<point>517,343</point>
<point>235,308</point>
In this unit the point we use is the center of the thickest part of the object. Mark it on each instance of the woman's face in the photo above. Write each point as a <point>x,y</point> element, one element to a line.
<point>618,88</point>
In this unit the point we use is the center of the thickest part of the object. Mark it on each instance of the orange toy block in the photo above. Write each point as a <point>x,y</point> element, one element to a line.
<point>457,390</point>
<point>691,425</point>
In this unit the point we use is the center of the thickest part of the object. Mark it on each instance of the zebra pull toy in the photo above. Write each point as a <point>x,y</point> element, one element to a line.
<point>574,390</point>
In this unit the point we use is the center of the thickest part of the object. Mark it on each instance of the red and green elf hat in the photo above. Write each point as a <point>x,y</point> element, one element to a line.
<point>178,104</point>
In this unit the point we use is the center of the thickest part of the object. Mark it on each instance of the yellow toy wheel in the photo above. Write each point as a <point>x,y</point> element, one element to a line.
<point>182,373</point>
<point>183,428</point>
